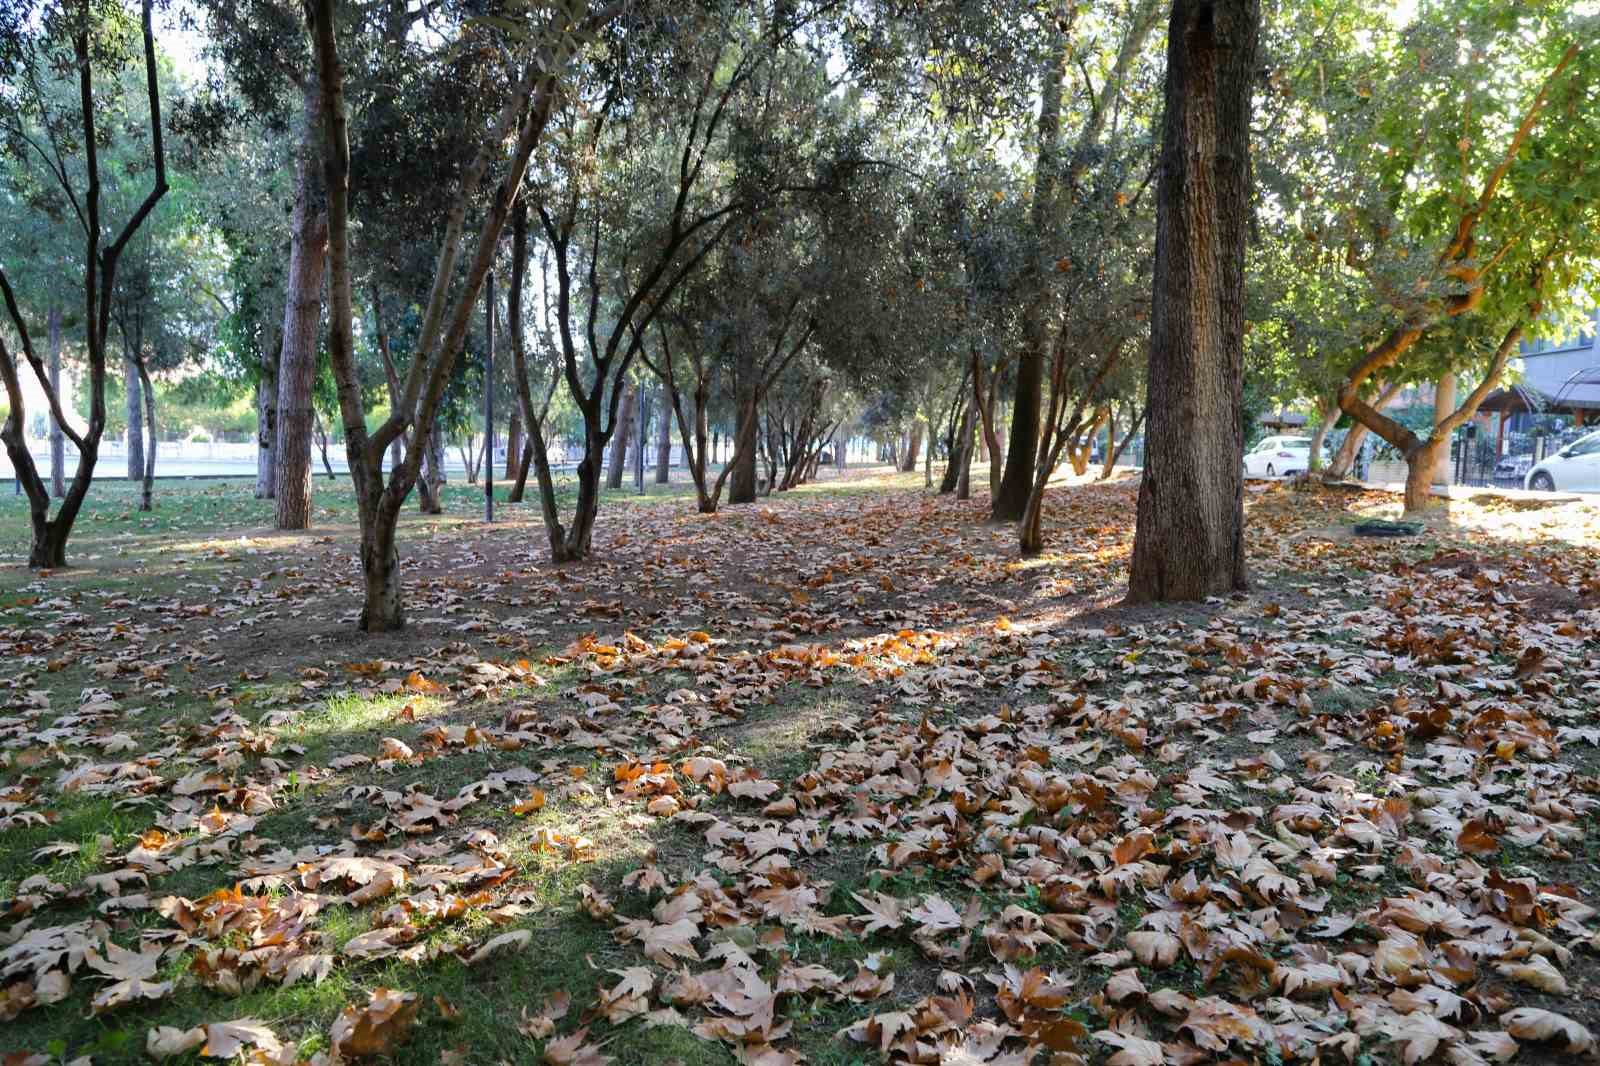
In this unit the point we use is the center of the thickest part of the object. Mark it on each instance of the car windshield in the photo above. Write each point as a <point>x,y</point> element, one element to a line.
<point>1295,442</point>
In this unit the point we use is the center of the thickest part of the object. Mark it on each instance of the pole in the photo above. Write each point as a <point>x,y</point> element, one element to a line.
<point>488,399</point>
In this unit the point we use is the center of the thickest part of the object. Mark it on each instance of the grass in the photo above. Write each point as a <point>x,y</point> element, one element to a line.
<point>206,546</point>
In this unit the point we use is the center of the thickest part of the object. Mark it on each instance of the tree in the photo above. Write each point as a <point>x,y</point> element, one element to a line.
<point>87,41</point>
<point>1189,541</point>
<point>522,120</point>
<point>1447,165</point>
<point>1056,178</point>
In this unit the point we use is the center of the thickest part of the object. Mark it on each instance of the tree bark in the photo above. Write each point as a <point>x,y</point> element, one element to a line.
<point>1345,457</point>
<point>267,421</point>
<point>1330,416</point>
<point>58,439</point>
<point>617,463</point>
<point>514,444</point>
<point>1122,446</point>
<point>742,481</point>
<point>135,414</point>
<point>428,485</point>
<point>1189,541</point>
<point>148,474</point>
<point>302,315</point>
<point>663,440</point>
<point>908,461</point>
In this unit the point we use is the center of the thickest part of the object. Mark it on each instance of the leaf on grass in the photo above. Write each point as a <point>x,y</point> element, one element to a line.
<point>376,1028</point>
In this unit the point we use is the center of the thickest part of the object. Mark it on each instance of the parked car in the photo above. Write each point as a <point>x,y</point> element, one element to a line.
<point>1512,470</point>
<point>1280,457</point>
<point>1575,468</point>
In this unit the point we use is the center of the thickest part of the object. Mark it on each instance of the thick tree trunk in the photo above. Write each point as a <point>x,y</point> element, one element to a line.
<point>1189,542</point>
<point>302,314</point>
<point>148,474</point>
<point>663,440</point>
<point>58,439</point>
<point>1420,467</point>
<point>617,463</point>
<point>135,413</point>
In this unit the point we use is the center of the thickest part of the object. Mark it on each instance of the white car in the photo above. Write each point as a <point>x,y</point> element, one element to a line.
<point>1278,457</point>
<point>1575,468</point>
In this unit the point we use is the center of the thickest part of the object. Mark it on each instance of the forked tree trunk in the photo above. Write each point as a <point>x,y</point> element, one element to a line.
<point>135,414</point>
<point>1420,467</point>
<point>302,314</point>
<point>58,439</point>
<point>1189,542</point>
<point>1344,458</point>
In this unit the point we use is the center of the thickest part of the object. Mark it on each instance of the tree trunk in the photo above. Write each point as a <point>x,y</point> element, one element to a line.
<point>663,440</point>
<point>428,495</point>
<point>322,444</point>
<point>1127,438</point>
<point>960,453</point>
<point>381,610</point>
<point>742,482</point>
<point>267,421</point>
<point>1444,405</point>
<point>1344,459</point>
<point>514,444</point>
<point>519,486</point>
<point>968,444</point>
<point>908,461</point>
<point>1420,472</point>
<point>619,439</point>
<point>58,440</point>
<point>1189,541</point>
<point>302,314</point>
<point>1319,435</point>
<point>135,411</point>
<point>148,474</point>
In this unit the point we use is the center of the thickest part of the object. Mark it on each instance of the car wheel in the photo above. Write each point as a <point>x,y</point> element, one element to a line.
<point>1271,472</point>
<point>1542,482</point>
